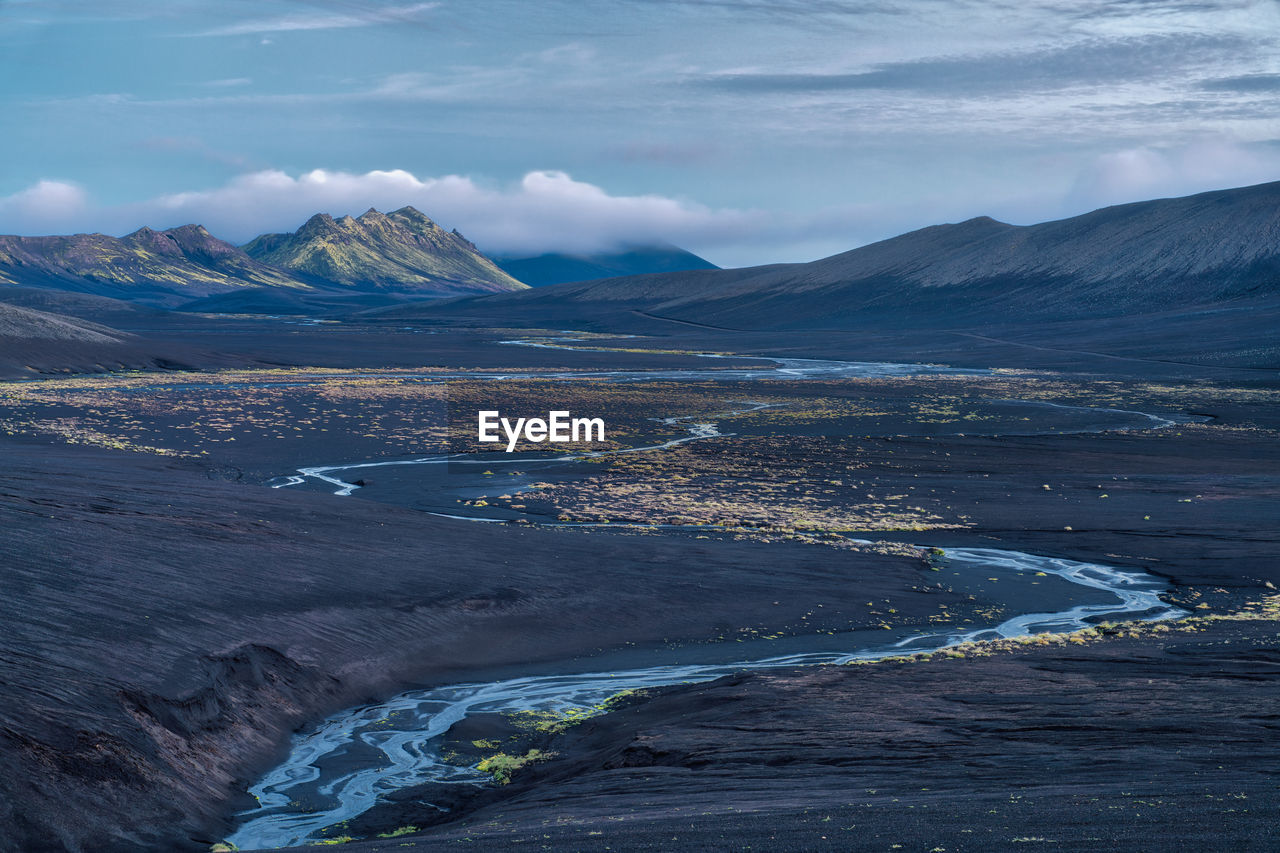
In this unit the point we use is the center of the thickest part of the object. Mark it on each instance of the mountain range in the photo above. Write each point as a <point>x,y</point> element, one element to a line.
<point>160,267</point>
<point>402,252</point>
<point>1168,255</point>
<point>1201,272</point>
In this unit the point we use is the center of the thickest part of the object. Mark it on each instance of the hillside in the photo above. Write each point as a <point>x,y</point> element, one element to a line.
<point>401,251</point>
<point>36,342</point>
<point>155,267</point>
<point>86,306</point>
<point>556,268</point>
<point>1198,275</point>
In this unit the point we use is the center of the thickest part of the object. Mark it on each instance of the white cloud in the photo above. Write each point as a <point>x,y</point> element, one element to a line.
<point>1150,172</point>
<point>45,207</point>
<point>549,211</point>
<point>545,211</point>
<point>323,21</point>
<point>227,82</point>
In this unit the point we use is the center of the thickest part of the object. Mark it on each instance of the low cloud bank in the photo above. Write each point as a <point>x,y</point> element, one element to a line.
<point>545,211</point>
<point>549,211</point>
<point>1146,172</point>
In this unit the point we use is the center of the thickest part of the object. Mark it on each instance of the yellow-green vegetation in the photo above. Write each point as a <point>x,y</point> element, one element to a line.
<point>787,485</point>
<point>379,413</point>
<point>396,833</point>
<point>74,431</point>
<point>1265,609</point>
<point>195,413</point>
<point>557,721</point>
<point>501,765</point>
<point>628,409</point>
<point>549,722</point>
<point>761,484</point>
<point>331,842</point>
<point>138,260</point>
<point>402,248</point>
<point>374,413</point>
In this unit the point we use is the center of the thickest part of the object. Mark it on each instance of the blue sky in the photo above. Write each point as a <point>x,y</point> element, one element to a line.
<point>750,131</point>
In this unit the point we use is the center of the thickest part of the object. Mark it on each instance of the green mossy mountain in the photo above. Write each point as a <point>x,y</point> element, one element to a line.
<point>160,267</point>
<point>399,251</point>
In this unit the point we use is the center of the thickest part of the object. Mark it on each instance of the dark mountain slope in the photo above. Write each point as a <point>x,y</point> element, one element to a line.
<point>86,306</point>
<point>157,267</point>
<point>1173,261</point>
<point>35,342</point>
<point>402,250</point>
<point>24,324</point>
<point>274,300</point>
<point>1155,255</point>
<point>544,270</point>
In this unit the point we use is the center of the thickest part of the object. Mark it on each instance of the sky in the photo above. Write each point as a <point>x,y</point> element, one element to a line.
<point>748,131</point>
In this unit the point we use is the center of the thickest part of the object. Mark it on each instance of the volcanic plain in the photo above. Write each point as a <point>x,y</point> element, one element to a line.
<point>182,593</point>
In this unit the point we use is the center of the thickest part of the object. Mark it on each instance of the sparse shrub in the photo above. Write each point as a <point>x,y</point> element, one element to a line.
<point>502,765</point>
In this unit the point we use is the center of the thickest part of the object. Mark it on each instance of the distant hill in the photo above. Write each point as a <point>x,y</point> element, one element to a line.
<point>543,270</point>
<point>398,251</point>
<point>323,266</point>
<point>1167,254</point>
<point>1207,264</point>
<point>86,306</point>
<point>155,267</point>
<point>38,342</point>
<point>259,300</point>
<point>25,324</point>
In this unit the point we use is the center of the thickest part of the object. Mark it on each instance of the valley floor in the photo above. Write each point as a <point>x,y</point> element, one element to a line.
<point>1159,741</point>
<point>167,626</point>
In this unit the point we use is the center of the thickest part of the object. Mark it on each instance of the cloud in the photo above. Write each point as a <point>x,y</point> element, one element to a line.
<point>1090,62</point>
<point>44,207</point>
<point>549,211</point>
<point>228,82</point>
<point>545,211</point>
<point>324,20</point>
<point>1149,172</point>
<point>796,9</point>
<point>1244,83</point>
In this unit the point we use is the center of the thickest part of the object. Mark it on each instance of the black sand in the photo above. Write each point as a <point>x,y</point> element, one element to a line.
<point>164,630</point>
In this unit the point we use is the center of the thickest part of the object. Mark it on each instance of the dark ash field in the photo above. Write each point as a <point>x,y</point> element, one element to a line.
<point>170,618</point>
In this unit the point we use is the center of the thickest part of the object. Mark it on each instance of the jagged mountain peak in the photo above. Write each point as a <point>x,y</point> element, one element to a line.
<point>196,242</point>
<point>401,251</point>
<point>321,223</point>
<point>156,267</point>
<point>409,213</point>
<point>190,230</point>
